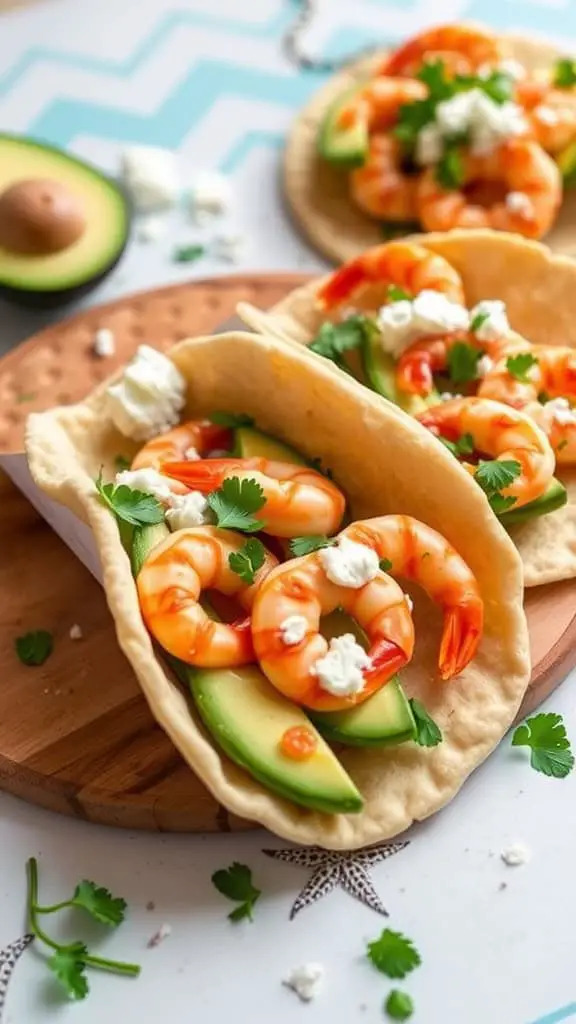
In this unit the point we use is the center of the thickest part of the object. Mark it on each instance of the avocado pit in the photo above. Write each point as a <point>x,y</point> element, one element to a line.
<point>40,217</point>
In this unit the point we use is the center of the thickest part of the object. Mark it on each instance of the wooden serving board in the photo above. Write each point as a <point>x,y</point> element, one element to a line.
<point>75,734</point>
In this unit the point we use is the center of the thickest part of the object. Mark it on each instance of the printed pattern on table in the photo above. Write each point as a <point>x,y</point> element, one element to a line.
<point>9,957</point>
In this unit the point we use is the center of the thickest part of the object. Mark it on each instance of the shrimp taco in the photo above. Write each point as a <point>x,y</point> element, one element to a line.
<point>472,333</point>
<point>457,128</point>
<point>255,566</point>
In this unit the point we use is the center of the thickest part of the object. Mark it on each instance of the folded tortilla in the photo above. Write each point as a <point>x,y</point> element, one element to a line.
<point>299,398</point>
<point>539,290</point>
<point>318,193</point>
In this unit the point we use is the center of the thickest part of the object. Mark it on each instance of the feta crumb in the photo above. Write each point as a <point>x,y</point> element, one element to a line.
<point>496,324</point>
<point>484,365</point>
<point>560,411</point>
<point>104,344</point>
<point>340,670</point>
<point>546,115</point>
<point>228,248</point>
<point>147,399</point>
<point>151,229</point>
<point>188,510</point>
<point>211,196</point>
<point>475,114</point>
<point>520,203</point>
<point>429,313</point>
<point>409,602</point>
<point>150,481</point>
<point>76,632</point>
<point>306,981</point>
<point>192,455</point>
<point>349,564</point>
<point>515,855</point>
<point>151,176</point>
<point>429,145</point>
<point>447,396</point>
<point>163,932</point>
<point>293,630</point>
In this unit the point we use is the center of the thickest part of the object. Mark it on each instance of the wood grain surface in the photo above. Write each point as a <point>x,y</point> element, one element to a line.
<point>75,734</point>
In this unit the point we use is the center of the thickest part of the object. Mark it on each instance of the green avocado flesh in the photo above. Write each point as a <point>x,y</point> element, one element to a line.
<point>105,209</point>
<point>566,161</point>
<point>380,370</point>
<point>552,499</point>
<point>385,719</point>
<point>250,443</point>
<point>346,147</point>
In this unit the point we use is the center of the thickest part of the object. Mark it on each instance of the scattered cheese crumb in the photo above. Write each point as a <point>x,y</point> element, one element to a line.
<point>515,855</point>
<point>163,932</point>
<point>211,196</point>
<point>349,564</point>
<point>293,630</point>
<point>546,115</point>
<point>228,248</point>
<point>306,981</point>
<point>76,632</point>
<point>520,204</point>
<point>151,176</point>
<point>341,670</point>
<point>188,510</point>
<point>484,365</point>
<point>104,344</point>
<point>151,229</point>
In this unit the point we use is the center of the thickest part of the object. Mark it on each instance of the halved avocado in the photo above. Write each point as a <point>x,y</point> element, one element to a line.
<point>553,498</point>
<point>379,367</point>
<point>566,161</point>
<point>63,224</point>
<point>250,443</point>
<point>347,147</point>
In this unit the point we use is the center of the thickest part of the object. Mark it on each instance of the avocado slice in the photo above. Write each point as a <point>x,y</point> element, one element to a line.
<point>345,147</point>
<point>247,717</point>
<point>566,161</point>
<point>385,719</point>
<point>67,266</point>
<point>380,370</point>
<point>250,443</point>
<point>553,498</point>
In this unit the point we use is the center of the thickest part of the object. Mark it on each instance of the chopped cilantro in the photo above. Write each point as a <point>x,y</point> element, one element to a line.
<point>564,73</point>
<point>463,445</point>
<point>313,542</point>
<point>234,503</point>
<point>385,565</point>
<point>333,340</point>
<point>496,474</point>
<point>130,506</point>
<point>399,1005</point>
<point>550,751</point>
<point>248,560</point>
<point>519,366</point>
<point>450,169</point>
<point>428,734</point>
<point>187,253</point>
<point>393,954</point>
<point>35,647</point>
<point>478,321</point>
<point>463,362</point>
<point>397,294</point>
<point>236,884</point>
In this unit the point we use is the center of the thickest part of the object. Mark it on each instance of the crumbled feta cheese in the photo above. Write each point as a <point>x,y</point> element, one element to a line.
<point>192,454</point>
<point>163,932</point>
<point>484,365</point>
<point>513,68</point>
<point>187,510</point>
<point>306,981</point>
<point>151,229</point>
<point>429,313</point>
<point>150,481</point>
<point>340,670</point>
<point>211,196</point>
<point>429,145</point>
<point>520,203</point>
<point>349,564</point>
<point>560,411</point>
<point>447,396</point>
<point>76,632</point>
<point>293,629</point>
<point>104,344</point>
<point>409,602</point>
<point>471,113</point>
<point>515,855</point>
<point>496,324</point>
<point>147,399</point>
<point>151,176</point>
<point>228,248</point>
<point>546,115</point>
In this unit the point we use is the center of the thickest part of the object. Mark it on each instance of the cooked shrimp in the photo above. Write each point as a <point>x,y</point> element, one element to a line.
<point>169,587</point>
<point>503,433</point>
<point>302,588</point>
<point>404,264</point>
<point>381,188</point>
<point>417,365</point>
<point>193,439</point>
<point>299,501</point>
<point>377,103</point>
<point>558,421</point>
<point>462,48</point>
<point>533,192</point>
<point>551,112</point>
<point>553,373</point>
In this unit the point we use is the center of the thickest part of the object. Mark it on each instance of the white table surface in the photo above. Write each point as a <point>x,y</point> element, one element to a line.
<point>88,75</point>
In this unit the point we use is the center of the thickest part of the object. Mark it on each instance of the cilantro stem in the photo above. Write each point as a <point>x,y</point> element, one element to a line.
<point>53,908</point>
<point>115,966</point>
<point>33,909</point>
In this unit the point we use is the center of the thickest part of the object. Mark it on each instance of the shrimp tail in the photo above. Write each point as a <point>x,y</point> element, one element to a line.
<point>204,475</point>
<point>460,638</point>
<point>342,283</point>
<point>386,658</point>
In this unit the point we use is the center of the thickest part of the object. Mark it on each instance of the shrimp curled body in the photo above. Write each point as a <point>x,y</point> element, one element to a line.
<point>196,438</point>
<point>462,48</point>
<point>171,582</point>
<point>381,188</point>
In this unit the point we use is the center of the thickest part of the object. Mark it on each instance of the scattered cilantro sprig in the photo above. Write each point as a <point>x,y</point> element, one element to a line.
<point>231,419</point>
<point>393,954</point>
<point>564,73</point>
<point>68,962</point>
<point>35,647</point>
<point>428,734</point>
<point>519,366</point>
<point>236,884</point>
<point>306,545</point>
<point>550,751</point>
<point>493,476</point>
<point>130,506</point>
<point>234,503</point>
<point>246,562</point>
<point>463,445</point>
<point>463,362</point>
<point>333,340</point>
<point>187,253</point>
<point>399,1005</point>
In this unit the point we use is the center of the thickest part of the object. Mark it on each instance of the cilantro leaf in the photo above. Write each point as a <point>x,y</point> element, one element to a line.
<point>499,504</point>
<point>134,507</point>
<point>494,475</point>
<point>397,294</point>
<point>385,565</point>
<point>520,365</point>
<point>434,74</point>
<point>234,502</point>
<point>35,647</point>
<point>248,560</point>
<point>463,362</point>
<point>69,965</point>
<point>306,545</point>
<point>99,903</point>
<point>450,169</point>
<point>550,751</point>
<point>333,340</point>
<point>121,463</point>
<point>236,884</point>
<point>187,253</point>
<point>564,73</point>
<point>231,419</point>
<point>463,445</point>
<point>393,954</point>
<point>499,86</point>
<point>428,734</point>
<point>478,320</point>
<point>399,1005</point>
